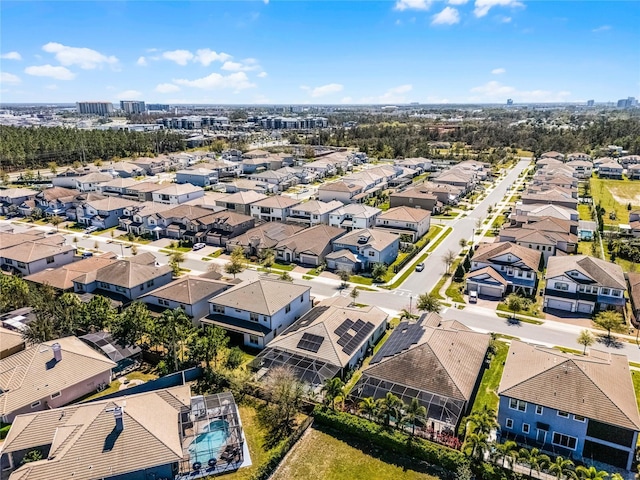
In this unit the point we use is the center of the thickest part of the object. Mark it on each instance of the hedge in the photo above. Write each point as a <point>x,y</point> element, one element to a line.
<point>4,431</point>
<point>392,440</point>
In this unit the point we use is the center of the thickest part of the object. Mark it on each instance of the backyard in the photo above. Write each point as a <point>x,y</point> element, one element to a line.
<point>491,379</point>
<point>615,196</point>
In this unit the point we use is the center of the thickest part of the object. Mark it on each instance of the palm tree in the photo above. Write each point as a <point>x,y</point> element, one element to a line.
<point>332,389</point>
<point>591,473</point>
<point>413,412</point>
<point>533,459</point>
<point>55,221</point>
<point>368,407</point>
<point>507,451</point>
<point>407,315</point>
<point>616,476</point>
<point>478,444</point>
<point>428,302</point>
<point>483,420</point>
<point>169,329</point>
<point>389,406</point>
<point>562,468</point>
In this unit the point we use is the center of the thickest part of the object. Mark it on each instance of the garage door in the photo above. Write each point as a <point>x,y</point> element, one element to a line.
<point>559,304</point>
<point>585,308</point>
<point>489,291</point>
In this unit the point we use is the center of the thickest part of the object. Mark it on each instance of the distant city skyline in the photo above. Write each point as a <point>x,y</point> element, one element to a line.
<point>280,52</point>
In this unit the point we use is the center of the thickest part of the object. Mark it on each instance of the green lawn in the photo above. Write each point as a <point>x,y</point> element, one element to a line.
<point>635,376</point>
<point>491,379</point>
<point>533,310</point>
<point>444,278</point>
<point>360,280</point>
<point>324,454</point>
<point>454,291</point>
<point>614,196</point>
<point>584,211</point>
<point>115,385</point>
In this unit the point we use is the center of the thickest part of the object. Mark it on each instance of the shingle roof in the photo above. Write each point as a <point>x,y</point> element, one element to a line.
<point>263,296</point>
<point>312,240</point>
<point>602,272</point>
<point>190,212</point>
<point>242,198</point>
<point>317,207</point>
<point>9,339</point>
<point>178,189</point>
<point>17,192</point>
<point>94,177</point>
<point>634,288</point>
<point>111,203</point>
<point>490,271</point>
<point>277,201</point>
<point>57,193</point>
<point>405,214</point>
<point>62,277</point>
<point>340,186</point>
<point>32,251</point>
<point>29,376</point>
<point>188,290</point>
<point>124,273</point>
<point>487,251</point>
<point>376,239</point>
<point>597,386</point>
<point>83,444</point>
<point>357,210</point>
<point>266,235</point>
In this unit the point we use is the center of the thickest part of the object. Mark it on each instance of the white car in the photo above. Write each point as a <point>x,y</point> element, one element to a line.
<point>420,267</point>
<point>91,229</point>
<point>198,246</point>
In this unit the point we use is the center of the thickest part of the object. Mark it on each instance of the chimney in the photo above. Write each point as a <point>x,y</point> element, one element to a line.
<point>118,413</point>
<point>57,351</point>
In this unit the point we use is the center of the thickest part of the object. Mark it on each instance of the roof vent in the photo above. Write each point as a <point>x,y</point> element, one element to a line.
<point>118,414</point>
<point>57,351</point>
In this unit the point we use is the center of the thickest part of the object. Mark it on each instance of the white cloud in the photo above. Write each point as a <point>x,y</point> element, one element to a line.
<point>482,7</point>
<point>142,62</point>
<point>129,95</point>
<point>9,78</point>
<point>11,56</point>
<point>323,90</point>
<point>167,88</point>
<point>85,58</point>
<point>53,86</point>
<point>497,92</point>
<point>504,19</point>
<point>206,56</point>
<point>59,73</point>
<point>246,65</point>
<point>448,16</point>
<point>603,28</point>
<point>498,71</point>
<point>262,75</point>
<point>457,2</point>
<point>181,57</point>
<point>235,81</point>
<point>403,5</point>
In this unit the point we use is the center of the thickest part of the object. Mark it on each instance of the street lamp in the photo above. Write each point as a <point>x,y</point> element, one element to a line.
<point>410,302</point>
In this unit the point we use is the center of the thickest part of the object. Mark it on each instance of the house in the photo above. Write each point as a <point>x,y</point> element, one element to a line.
<point>439,363</point>
<point>189,293</point>
<point>185,222</point>
<point>49,375</point>
<point>117,186</point>
<point>456,178</point>
<point>328,341</point>
<point>548,235</point>
<point>611,169</point>
<point>582,407</point>
<point>415,198</point>
<point>245,185</point>
<point>219,227</point>
<point>446,194</point>
<point>323,168</point>
<point>55,200</point>
<point>309,246</point>
<point>583,284</point>
<point>209,201</point>
<point>240,201</point>
<point>143,218</point>
<point>125,280</point>
<point>354,216</point>
<point>628,160</point>
<point>342,191</point>
<point>524,213</point>
<point>547,162</point>
<point>224,169</point>
<point>11,198</point>
<point>582,168</point>
<point>633,172</point>
<point>413,222</point>
<point>273,209</point>
<point>555,155</point>
<point>579,156</point>
<point>258,311</point>
<point>125,170</point>
<point>202,177</point>
<point>280,179</point>
<point>368,246</point>
<point>418,164</point>
<point>262,237</point>
<point>634,222</point>
<point>313,212</point>
<point>11,342</point>
<point>104,213</point>
<point>143,192</point>
<point>153,166</point>
<point>61,278</point>
<point>550,197</point>
<point>176,194</point>
<point>26,254</point>
<point>91,182</point>
<point>504,267</point>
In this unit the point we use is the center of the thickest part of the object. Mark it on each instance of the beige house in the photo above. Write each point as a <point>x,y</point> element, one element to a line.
<point>29,254</point>
<point>414,222</point>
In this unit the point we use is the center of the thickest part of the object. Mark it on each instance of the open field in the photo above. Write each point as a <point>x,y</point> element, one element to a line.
<point>325,455</point>
<point>615,196</point>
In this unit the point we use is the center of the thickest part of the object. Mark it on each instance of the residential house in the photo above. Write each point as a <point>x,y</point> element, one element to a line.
<point>418,164</point>
<point>633,172</point>
<point>262,237</point>
<point>209,201</point>
<point>254,165</point>
<point>245,185</point>
<point>354,216</point>
<point>582,168</point>
<point>313,212</point>
<point>439,363</point>
<point>143,219</point>
<point>258,311</point>
<point>328,341</point>
<point>153,166</point>
<point>224,168</point>
<point>456,178</point>
<point>90,182</point>
<point>610,169</point>
<point>12,198</point>
<point>189,293</point>
<point>240,202</point>
<point>555,155</point>
<point>550,197</point>
<point>634,222</point>
<point>368,246</point>
<point>55,200</point>
<point>415,198</point>
<point>579,156</point>
<point>633,281</point>
<point>125,280</point>
<point>583,284</point>
<point>342,191</point>
<point>199,176</point>
<point>547,162</point>
<point>219,227</point>
<point>504,267</point>
<point>11,342</point>
<point>524,213</point>
<point>322,168</point>
<point>61,278</point>
<point>309,246</point>
<point>413,222</point>
<point>445,193</point>
<point>550,235</point>
<point>125,170</point>
<point>104,213</point>
<point>143,192</point>
<point>176,194</point>
<point>49,375</point>
<point>27,254</point>
<point>280,179</point>
<point>273,209</point>
<point>175,221</point>
<point>580,407</point>
<point>117,186</point>
<point>628,160</point>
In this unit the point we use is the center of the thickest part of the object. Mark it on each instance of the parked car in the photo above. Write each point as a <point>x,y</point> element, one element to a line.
<point>87,254</point>
<point>198,246</point>
<point>91,229</point>
<point>473,297</point>
<point>420,267</point>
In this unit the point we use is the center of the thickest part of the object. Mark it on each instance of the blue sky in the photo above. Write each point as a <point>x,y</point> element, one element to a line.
<point>278,51</point>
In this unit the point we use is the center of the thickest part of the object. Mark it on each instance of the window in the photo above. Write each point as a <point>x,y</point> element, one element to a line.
<point>253,340</point>
<point>564,440</point>
<point>616,293</point>
<point>162,301</point>
<point>509,423</point>
<point>254,317</point>
<point>563,414</point>
<point>525,428</point>
<point>579,418</point>
<point>302,298</point>
<point>150,283</point>
<point>605,291</point>
<point>22,265</point>
<point>561,286</point>
<point>56,395</point>
<point>529,274</point>
<point>50,260</point>
<point>217,308</point>
<point>515,404</point>
<point>539,409</point>
<point>35,404</point>
<point>104,285</point>
<point>372,253</point>
<point>287,309</point>
<point>8,261</point>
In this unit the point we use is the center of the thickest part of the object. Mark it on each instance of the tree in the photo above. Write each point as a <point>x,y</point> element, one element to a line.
<point>344,276</point>
<point>462,242</point>
<point>235,358</point>
<point>585,339</point>
<point>98,314</point>
<point>368,407</point>
<point>130,326</point>
<point>405,314</point>
<point>36,214</point>
<point>476,444</point>
<point>591,473</point>
<point>458,275</point>
<point>286,277</point>
<point>379,272</point>
<point>483,420</point>
<point>389,407</point>
<point>562,468</point>
<point>413,412</point>
<point>175,259</point>
<point>332,389</point>
<point>354,294</point>
<point>286,394</point>
<point>53,167</point>
<point>233,267</point>
<point>515,303</point>
<point>68,313</point>
<point>39,330</point>
<point>134,250</point>
<point>170,328</point>
<point>268,260</point>
<point>533,459</point>
<point>55,221</point>
<point>506,452</point>
<point>215,341</point>
<point>610,320</point>
<point>15,293</point>
<point>448,259</point>
<point>428,302</point>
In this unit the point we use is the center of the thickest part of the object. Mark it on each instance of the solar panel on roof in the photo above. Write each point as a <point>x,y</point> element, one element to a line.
<point>344,327</point>
<point>405,335</point>
<point>310,342</point>
<point>344,339</point>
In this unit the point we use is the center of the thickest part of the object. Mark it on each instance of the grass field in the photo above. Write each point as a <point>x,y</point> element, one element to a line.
<point>635,376</point>
<point>325,455</point>
<point>491,379</point>
<point>615,196</point>
<point>584,212</point>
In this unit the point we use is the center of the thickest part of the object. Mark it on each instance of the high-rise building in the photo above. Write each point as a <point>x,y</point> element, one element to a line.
<point>132,106</point>
<point>94,108</point>
<point>509,101</point>
<point>590,103</point>
<point>155,107</point>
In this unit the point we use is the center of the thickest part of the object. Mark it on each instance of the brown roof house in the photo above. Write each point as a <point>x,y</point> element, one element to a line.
<point>438,362</point>
<point>582,407</point>
<point>309,246</point>
<point>262,237</point>
<point>10,342</point>
<point>49,375</point>
<point>413,222</point>
<point>633,280</point>
<point>61,278</point>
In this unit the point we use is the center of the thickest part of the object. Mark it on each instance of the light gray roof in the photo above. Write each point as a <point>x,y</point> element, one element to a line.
<point>375,238</point>
<point>603,273</point>
<point>178,189</point>
<point>358,210</point>
<point>277,201</point>
<point>242,198</point>
<point>124,273</point>
<point>188,290</point>
<point>317,207</point>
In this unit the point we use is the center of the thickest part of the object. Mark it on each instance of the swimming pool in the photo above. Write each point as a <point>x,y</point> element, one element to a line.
<point>208,444</point>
